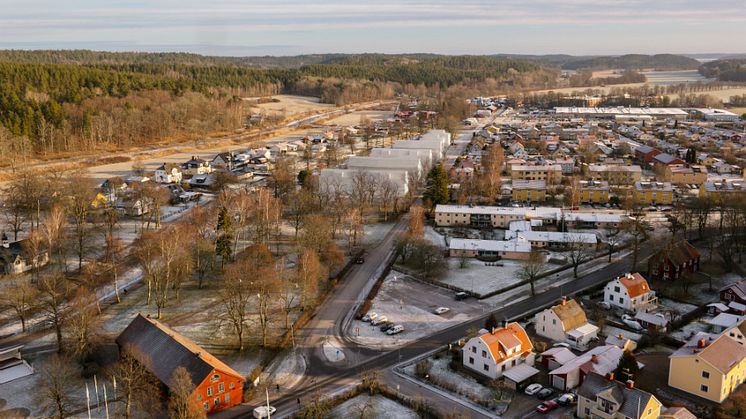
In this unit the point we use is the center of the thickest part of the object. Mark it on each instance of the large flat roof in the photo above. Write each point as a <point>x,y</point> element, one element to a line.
<point>620,110</point>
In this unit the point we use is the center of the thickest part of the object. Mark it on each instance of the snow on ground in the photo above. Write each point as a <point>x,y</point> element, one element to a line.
<point>418,321</point>
<point>434,237</point>
<point>333,352</point>
<point>287,369</point>
<point>480,278</point>
<point>690,330</point>
<point>374,407</point>
<point>679,307</point>
<point>614,331</point>
<point>440,372</point>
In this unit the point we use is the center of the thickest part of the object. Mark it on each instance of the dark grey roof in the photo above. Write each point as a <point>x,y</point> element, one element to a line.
<point>162,350</point>
<point>630,399</point>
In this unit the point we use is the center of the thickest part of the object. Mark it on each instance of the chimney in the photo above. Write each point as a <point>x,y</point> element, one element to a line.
<point>610,376</point>
<point>564,300</point>
<point>620,336</point>
<point>594,359</point>
<point>701,343</point>
<point>630,384</point>
<point>4,240</point>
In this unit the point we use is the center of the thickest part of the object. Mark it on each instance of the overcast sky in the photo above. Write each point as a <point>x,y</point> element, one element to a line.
<point>289,27</point>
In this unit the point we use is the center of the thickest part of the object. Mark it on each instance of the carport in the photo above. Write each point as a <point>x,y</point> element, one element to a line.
<point>518,376</point>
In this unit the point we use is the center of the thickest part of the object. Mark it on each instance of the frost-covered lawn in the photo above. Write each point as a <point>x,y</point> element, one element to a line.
<point>374,407</point>
<point>453,381</point>
<point>375,233</point>
<point>677,306</point>
<point>476,276</point>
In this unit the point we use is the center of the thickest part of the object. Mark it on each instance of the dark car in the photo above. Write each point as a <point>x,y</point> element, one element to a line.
<point>461,296</point>
<point>386,326</point>
<point>545,393</point>
<point>359,260</point>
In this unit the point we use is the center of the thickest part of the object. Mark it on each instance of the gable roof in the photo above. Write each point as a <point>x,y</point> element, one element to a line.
<point>601,359</point>
<point>722,352</point>
<point>570,314</point>
<point>632,401</point>
<point>738,288</point>
<point>513,336</point>
<point>635,284</point>
<point>162,350</point>
<point>678,253</point>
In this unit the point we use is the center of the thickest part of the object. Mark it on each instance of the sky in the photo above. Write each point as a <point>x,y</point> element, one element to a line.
<point>291,27</point>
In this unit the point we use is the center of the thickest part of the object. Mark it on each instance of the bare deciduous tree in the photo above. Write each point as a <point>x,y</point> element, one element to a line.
<point>137,387</point>
<point>53,289</point>
<point>181,401</point>
<point>531,269</point>
<point>53,390</point>
<point>20,297</point>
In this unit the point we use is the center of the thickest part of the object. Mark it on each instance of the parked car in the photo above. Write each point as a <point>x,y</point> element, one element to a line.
<point>546,406</point>
<point>396,329</point>
<point>461,296</point>
<point>379,320</point>
<point>264,411</point>
<point>567,399</point>
<point>370,317</point>
<point>545,393</point>
<point>359,260</point>
<point>631,322</point>
<point>561,345</point>
<point>532,389</point>
<point>442,310</point>
<point>386,326</point>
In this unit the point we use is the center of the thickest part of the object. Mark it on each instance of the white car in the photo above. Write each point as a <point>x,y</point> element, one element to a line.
<point>396,329</point>
<point>442,310</point>
<point>632,324</point>
<point>561,345</point>
<point>370,317</point>
<point>264,411</point>
<point>379,320</point>
<point>533,389</point>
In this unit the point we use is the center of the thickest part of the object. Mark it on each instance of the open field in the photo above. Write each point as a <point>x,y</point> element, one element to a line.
<point>290,105</point>
<point>353,118</point>
<point>723,95</point>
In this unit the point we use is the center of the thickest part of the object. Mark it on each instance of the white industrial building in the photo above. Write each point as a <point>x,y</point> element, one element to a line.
<point>621,112</point>
<point>425,156</point>
<point>411,165</point>
<point>435,140</point>
<point>715,115</point>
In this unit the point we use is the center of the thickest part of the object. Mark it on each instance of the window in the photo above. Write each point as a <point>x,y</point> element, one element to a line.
<point>199,396</point>
<point>471,360</point>
<point>209,391</point>
<point>616,289</point>
<point>486,367</point>
<point>206,405</point>
<point>232,386</point>
<point>215,377</point>
<point>484,354</point>
<point>705,374</point>
<point>703,388</point>
<point>221,388</point>
<point>587,411</point>
<point>554,321</point>
<point>227,397</point>
<point>474,349</point>
<point>216,402</point>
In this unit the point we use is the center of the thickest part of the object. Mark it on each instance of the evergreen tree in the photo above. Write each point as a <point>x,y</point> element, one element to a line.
<point>436,187</point>
<point>491,322</point>
<point>627,367</point>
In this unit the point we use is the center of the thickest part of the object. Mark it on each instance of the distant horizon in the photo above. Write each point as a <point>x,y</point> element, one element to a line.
<point>295,27</point>
<point>193,49</point>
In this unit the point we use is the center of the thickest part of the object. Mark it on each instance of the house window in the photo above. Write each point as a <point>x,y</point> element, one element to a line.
<point>486,367</point>
<point>216,402</point>
<point>703,388</point>
<point>616,289</point>
<point>705,374</point>
<point>484,354</point>
<point>471,360</point>
<point>474,349</point>
<point>554,321</point>
<point>232,386</point>
<point>209,391</point>
<point>587,411</point>
<point>206,405</point>
<point>227,397</point>
<point>215,377</point>
<point>221,388</point>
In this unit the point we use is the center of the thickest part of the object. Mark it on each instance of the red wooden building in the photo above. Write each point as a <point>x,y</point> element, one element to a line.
<point>162,350</point>
<point>673,261</point>
<point>734,292</point>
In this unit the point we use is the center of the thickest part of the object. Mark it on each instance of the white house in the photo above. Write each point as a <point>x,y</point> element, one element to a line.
<point>566,322</point>
<point>630,292</point>
<point>196,166</point>
<point>168,173</point>
<point>493,353</point>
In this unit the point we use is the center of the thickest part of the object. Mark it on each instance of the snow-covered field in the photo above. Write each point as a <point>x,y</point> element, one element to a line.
<point>399,306</point>
<point>373,407</point>
<point>375,233</point>
<point>479,278</point>
<point>286,370</point>
<point>434,237</point>
<point>679,307</point>
<point>440,372</point>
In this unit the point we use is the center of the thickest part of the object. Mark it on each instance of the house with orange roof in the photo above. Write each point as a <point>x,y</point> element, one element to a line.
<point>708,366</point>
<point>162,350</point>
<point>494,353</point>
<point>566,322</point>
<point>630,292</point>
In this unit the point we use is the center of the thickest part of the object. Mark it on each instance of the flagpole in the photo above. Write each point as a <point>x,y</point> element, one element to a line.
<point>88,399</point>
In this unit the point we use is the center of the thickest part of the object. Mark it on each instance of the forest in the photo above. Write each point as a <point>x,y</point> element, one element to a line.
<point>725,70</point>
<point>61,101</point>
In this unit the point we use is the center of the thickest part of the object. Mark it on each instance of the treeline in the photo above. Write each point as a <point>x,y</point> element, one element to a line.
<point>635,62</point>
<point>725,70</point>
<point>585,78</point>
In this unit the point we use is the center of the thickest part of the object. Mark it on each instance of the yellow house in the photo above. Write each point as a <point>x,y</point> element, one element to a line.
<point>615,174</point>
<point>680,174</point>
<point>529,190</point>
<point>593,191</point>
<point>708,366</point>
<point>722,189</point>
<point>654,193</point>
<point>601,397</point>
<point>550,173</point>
